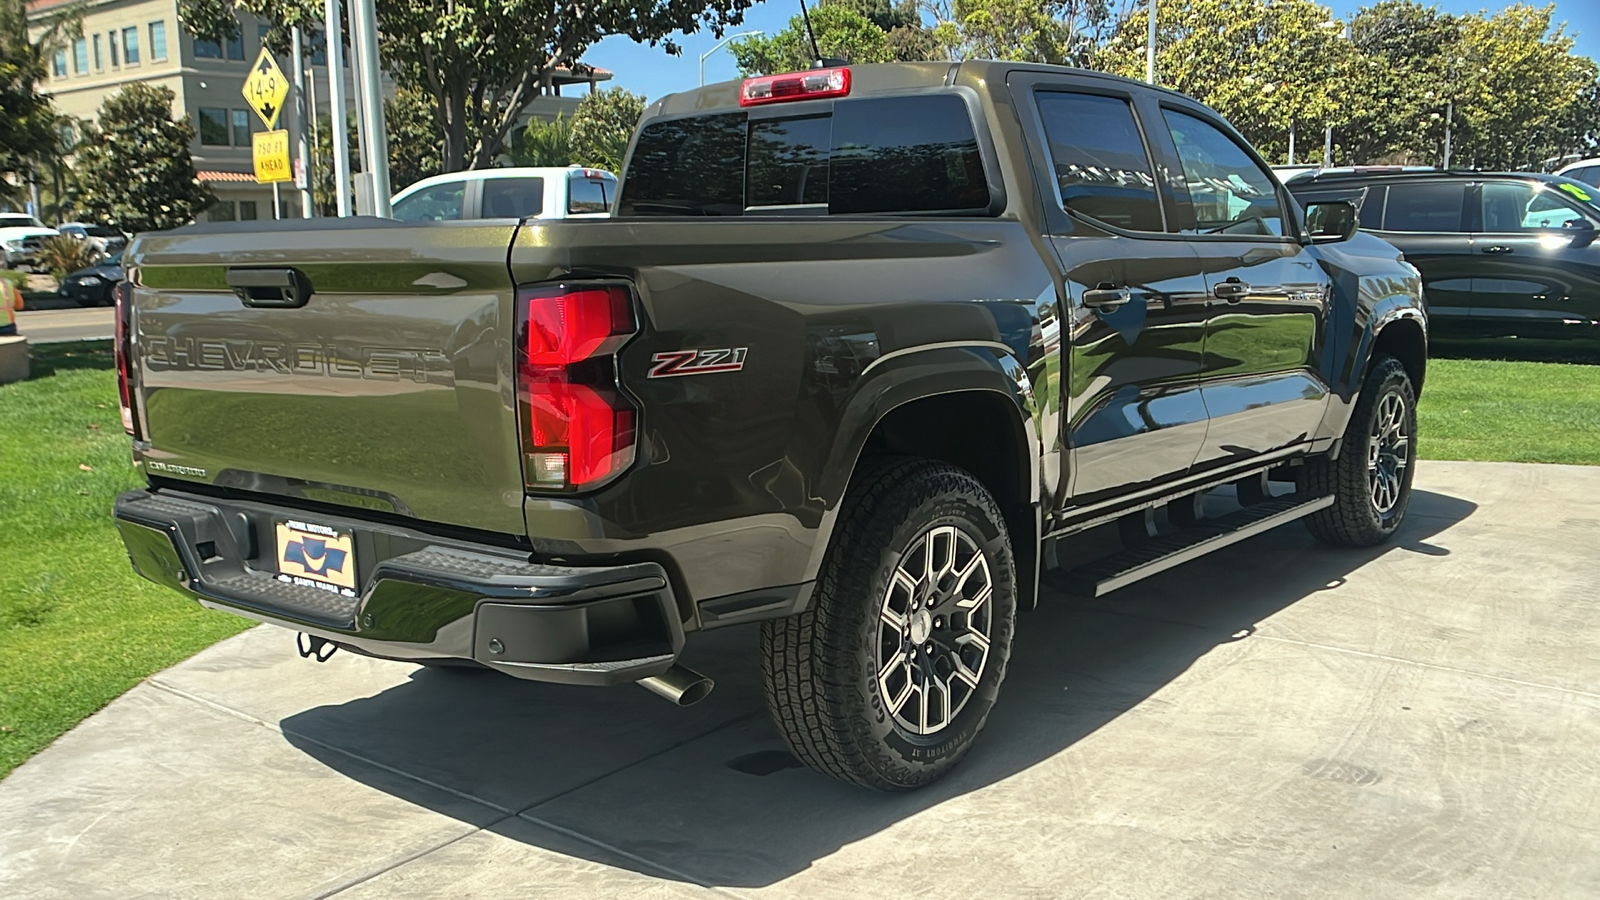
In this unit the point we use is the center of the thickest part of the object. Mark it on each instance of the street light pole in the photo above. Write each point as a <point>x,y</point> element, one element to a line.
<point>719,45</point>
<point>374,139</point>
<point>1150,47</point>
<point>333,41</point>
<point>1449,113</point>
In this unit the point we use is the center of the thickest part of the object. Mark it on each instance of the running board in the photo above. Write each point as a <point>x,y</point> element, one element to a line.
<point>1161,553</point>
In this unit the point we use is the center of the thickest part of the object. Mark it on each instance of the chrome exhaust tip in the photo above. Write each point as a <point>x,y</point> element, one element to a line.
<point>682,686</point>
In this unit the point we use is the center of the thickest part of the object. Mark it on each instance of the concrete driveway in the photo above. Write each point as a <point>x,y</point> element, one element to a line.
<point>1277,720</point>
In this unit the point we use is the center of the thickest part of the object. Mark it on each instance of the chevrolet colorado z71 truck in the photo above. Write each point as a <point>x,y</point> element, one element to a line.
<point>861,351</point>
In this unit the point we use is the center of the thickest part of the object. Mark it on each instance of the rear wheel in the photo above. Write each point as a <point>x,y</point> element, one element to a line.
<point>1371,479</point>
<point>888,677</point>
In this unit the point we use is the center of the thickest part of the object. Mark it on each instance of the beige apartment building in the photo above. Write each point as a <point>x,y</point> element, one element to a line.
<point>126,41</point>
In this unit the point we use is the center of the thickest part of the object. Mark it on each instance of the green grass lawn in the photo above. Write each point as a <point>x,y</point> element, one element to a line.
<point>77,627</point>
<point>1480,409</point>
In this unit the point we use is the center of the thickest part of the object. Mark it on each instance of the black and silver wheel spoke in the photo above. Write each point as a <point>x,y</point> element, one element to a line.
<point>1388,453</point>
<point>934,630</point>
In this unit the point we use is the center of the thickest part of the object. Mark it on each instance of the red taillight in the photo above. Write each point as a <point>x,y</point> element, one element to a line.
<point>810,85</point>
<point>577,428</point>
<point>122,296</point>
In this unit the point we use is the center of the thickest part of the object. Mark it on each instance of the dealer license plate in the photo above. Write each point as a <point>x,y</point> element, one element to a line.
<point>318,556</point>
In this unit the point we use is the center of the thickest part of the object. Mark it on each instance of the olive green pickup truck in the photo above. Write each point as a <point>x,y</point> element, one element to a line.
<point>861,351</point>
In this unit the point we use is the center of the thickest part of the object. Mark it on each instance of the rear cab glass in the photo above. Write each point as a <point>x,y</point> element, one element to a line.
<point>903,154</point>
<point>512,198</point>
<point>590,192</point>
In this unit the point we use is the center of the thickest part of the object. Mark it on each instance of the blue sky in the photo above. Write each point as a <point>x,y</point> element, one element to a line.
<point>650,71</point>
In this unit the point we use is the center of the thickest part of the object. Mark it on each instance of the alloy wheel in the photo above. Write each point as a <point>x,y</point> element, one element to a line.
<point>1388,453</point>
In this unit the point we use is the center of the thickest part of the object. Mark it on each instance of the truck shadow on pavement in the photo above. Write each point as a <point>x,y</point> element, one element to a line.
<point>709,796</point>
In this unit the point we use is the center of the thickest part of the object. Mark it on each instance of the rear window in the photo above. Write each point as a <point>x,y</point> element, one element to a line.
<point>512,198</point>
<point>914,154</point>
<point>589,195</point>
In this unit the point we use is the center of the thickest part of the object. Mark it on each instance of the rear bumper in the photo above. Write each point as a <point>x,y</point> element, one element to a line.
<point>419,597</point>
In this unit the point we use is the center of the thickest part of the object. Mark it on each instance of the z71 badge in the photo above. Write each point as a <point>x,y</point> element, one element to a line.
<point>697,362</point>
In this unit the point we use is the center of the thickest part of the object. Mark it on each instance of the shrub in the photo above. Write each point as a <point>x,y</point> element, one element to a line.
<point>64,253</point>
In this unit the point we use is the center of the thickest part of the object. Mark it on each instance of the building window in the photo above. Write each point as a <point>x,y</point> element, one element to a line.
<point>130,46</point>
<point>99,61</point>
<point>207,49</point>
<point>158,40</point>
<point>241,128</point>
<point>80,56</point>
<point>58,64</point>
<point>111,38</point>
<point>68,138</point>
<point>213,126</point>
<point>235,47</point>
<point>247,210</point>
<point>221,211</point>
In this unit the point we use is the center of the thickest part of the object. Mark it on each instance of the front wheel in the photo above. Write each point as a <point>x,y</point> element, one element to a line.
<point>1371,479</point>
<point>887,678</point>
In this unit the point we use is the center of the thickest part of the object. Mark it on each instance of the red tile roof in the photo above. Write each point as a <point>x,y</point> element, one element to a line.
<point>211,175</point>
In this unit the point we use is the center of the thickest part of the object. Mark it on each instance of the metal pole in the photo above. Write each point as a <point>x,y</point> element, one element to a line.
<point>333,34</point>
<point>719,45</point>
<point>311,129</point>
<point>1150,47</point>
<point>277,206</point>
<point>374,139</point>
<point>1327,149</point>
<point>1449,114</point>
<point>299,61</point>
<point>1291,142</point>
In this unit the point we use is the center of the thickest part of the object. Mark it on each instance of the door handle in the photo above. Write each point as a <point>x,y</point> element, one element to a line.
<point>1497,248</point>
<point>1233,290</point>
<point>1107,299</point>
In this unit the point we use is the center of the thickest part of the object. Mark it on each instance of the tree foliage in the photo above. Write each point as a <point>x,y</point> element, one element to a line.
<point>27,120</point>
<point>484,61</point>
<point>134,168</point>
<point>857,31</point>
<point>1519,95</point>
<point>597,135</point>
<point>1062,32</point>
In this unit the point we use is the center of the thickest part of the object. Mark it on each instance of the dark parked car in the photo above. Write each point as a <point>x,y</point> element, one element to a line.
<point>862,351</point>
<point>1501,254</point>
<point>92,286</point>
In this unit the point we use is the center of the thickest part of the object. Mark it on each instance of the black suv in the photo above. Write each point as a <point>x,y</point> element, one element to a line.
<point>1501,254</point>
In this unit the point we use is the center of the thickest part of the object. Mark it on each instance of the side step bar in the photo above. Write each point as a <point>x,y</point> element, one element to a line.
<point>1159,554</point>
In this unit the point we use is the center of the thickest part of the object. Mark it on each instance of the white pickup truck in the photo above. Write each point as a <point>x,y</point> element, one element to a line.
<point>545,193</point>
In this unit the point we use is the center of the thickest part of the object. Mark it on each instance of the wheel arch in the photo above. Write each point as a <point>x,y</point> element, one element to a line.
<point>906,405</point>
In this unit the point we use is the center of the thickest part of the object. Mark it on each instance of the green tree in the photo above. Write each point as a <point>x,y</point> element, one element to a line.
<point>857,31</point>
<point>484,61</point>
<point>1264,66</point>
<point>1400,83</point>
<point>602,126</point>
<point>415,146</point>
<point>28,127</point>
<point>543,144</point>
<point>1062,32</point>
<point>134,169</point>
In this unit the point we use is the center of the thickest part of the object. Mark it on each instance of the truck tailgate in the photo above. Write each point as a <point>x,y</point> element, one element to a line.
<point>390,389</point>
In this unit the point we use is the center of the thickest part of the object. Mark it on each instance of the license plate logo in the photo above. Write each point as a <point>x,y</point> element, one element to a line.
<point>316,556</point>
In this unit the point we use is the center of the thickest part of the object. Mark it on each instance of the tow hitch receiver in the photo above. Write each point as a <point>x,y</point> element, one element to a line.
<point>313,647</point>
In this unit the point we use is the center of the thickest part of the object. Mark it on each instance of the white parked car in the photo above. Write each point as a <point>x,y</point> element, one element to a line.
<point>20,235</point>
<point>545,193</point>
<point>105,240</point>
<point>1584,170</point>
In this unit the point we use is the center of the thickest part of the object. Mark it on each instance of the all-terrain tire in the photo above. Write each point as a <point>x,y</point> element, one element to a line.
<point>836,710</point>
<point>1364,514</point>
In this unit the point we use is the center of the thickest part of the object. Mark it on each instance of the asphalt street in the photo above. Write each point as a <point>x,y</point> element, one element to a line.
<point>43,326</point>
<point>1279,719</point>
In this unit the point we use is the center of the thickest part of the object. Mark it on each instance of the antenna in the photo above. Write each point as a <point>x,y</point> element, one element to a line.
<point>816,55</point>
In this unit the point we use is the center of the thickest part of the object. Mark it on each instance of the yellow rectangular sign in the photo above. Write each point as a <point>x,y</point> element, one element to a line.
<point>271,152</point>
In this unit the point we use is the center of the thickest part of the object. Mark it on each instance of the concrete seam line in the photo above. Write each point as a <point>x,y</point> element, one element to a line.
<point>364,877</point>
<point>649,863</point>
<point>339,750</point>
<point>1412,662</point>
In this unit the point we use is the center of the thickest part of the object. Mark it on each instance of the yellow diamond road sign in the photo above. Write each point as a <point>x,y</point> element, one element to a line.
<point>266,88</point>
<point>271,151</point>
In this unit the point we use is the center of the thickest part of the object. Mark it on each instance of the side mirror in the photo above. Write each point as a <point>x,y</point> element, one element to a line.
<point>1331,221</point>
<point>1582,231</point>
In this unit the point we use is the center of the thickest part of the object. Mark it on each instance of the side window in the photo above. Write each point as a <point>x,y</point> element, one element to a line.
<point>1510,206</point>
<point>905,154</point>
<point>512,198</point>
<point>588,195</point>
<point>1102,169</point>
<point>432,204</point>
<point>1425,206</point>
<point>1372,207</point>
<point>1230,192</point>
<point>1589,175</point>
